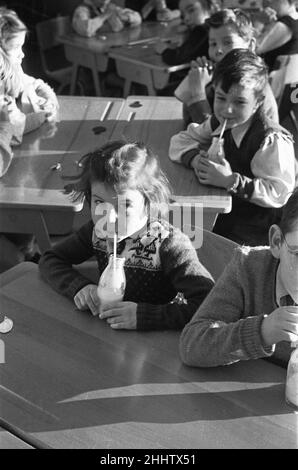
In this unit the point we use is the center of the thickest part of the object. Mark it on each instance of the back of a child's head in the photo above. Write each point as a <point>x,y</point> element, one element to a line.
<point>289,219</point>
<point>242,67</point>
<point>123,166</point>
<point>237,18</point>
<point>10,24</point>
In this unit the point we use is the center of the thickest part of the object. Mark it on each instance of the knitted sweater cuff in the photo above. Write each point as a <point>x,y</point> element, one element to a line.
<point>187,157</point>
<point>76,285</point>
<point>250,331</point>
<point>149,318</point>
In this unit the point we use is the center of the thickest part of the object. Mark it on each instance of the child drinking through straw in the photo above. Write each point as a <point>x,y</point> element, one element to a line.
<point>258,167</point>
<point>125,181</point>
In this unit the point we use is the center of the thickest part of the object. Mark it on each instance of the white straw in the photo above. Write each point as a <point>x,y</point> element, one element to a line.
<point>115,252</point>
<point>223,129</point>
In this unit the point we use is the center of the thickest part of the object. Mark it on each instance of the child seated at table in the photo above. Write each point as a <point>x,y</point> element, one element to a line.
<point>93,15</point>
<point>160,10</point>
<point>252,312</point>
<point>257,165</point>
<point>35,98</point>
<point>194,13</point>
<point>282,37</point>
<point>124,179</point>
<point>228,29</point>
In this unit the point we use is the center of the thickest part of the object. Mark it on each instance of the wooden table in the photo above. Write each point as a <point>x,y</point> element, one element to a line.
<point>70,381</point>
<point>31,196</point>
<point>94,53</point>
<point>10,441</point>
<point>154,120</point>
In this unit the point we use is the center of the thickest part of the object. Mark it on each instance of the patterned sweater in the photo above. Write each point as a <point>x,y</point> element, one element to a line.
<point>226,328</point>
<point>159,262</point>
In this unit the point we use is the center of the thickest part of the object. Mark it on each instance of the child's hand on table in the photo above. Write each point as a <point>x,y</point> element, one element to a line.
<point>87,299</point>
<point>214,174</point>
<point>122,315</point>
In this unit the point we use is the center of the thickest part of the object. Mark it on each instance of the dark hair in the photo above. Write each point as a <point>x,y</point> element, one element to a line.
<point>122,165</point>
<point>237,18</point>
<point>10,24</point>
<point>241,66</point>
<point>289,218</point>
<point>209,6</point>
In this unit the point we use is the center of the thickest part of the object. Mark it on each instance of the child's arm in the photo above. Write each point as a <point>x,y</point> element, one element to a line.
<point>86,26</point>
<point>6,133</point>
<point>218,333</point>
<point>187,275</point>
<point>185,145</point>
<point>129,17</point>
<point>278,35</point>
<point>274,169</point>
<point>56,264</point>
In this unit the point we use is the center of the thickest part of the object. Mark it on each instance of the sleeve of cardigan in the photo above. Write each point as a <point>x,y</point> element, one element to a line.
<point>218,333</point>
<point>188,276</point>
<point>83,24</point>
<point>56,264</point>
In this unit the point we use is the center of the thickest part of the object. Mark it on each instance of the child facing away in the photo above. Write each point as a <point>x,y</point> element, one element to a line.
<point>194,13</point>
<point>258,163</point>
<point>93,15</point>
<point>251,311</point>
<point>282,37</point>
<point>228,29</point>
<point>160,10</point>
<point>125,180</point>
<point>35,98</point>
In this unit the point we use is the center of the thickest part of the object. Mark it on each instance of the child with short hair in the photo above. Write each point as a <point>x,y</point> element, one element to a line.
<point>35,98</point>
<point>124,180</point>
<point>258,166</point>
<point>194,13</point>
<point>228,29</point>
<point>251,312</point>
<point>93,15</point>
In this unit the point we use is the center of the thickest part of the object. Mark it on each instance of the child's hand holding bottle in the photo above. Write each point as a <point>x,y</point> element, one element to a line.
<point>87,299</point>
<point>280,325</point>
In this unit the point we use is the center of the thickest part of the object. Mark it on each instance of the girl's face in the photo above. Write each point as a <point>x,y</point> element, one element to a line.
<point>237,105</point>
<point>285,247</point>
<point>223,40</point>
<point>126,212</point>
<point>192,13</point>
<point>13,46</point>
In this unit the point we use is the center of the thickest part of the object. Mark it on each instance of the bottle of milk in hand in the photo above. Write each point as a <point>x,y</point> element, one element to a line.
<point>112,282</point>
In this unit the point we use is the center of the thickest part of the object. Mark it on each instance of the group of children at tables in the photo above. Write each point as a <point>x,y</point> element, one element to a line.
<point>251,310</point>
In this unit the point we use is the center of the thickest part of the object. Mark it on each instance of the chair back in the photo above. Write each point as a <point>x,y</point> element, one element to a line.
<point>48,32</point>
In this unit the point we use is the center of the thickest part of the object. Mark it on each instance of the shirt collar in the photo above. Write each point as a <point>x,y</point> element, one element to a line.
<point>238,132</point>
<point>280,289</point>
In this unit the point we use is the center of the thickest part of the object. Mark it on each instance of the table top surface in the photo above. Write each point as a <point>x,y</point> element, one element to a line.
<point>154,120</point>
<point>70,381</point>
<point>103,42</point>
<point>10,441</point>
<point>85,123</point>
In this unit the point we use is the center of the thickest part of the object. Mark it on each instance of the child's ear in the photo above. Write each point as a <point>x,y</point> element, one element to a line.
<point>275,240</point>
<point>253,45</point>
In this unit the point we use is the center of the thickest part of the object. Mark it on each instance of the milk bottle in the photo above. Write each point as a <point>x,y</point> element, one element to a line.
<point>112,282</point>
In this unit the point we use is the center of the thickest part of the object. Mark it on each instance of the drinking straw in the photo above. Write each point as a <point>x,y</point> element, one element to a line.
<point>223,129</point>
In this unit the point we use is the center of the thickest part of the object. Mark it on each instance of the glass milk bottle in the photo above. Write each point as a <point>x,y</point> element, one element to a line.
<point>292,379</point>
<point>112,282</point>
<point>216,150</point>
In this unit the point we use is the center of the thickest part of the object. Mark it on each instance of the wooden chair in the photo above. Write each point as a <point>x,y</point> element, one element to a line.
<point>54,63</point>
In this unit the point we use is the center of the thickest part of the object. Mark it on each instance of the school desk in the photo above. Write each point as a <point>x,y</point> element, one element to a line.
<point>31,192</point>
<point>70,381</point>
<point>154,120</point>
<point>94,52</point>
<point>10,441</point>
